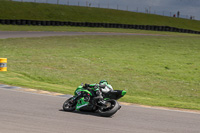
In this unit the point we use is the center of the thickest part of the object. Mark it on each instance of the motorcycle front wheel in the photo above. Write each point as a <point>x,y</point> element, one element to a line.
<point>69,105</point>
<point>111,110</point>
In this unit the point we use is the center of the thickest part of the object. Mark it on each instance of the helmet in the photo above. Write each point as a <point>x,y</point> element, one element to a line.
<point>103,82</point>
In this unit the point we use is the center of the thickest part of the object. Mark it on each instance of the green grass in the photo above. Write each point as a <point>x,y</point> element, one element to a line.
<point>36,11</point>
<point>158,71</point>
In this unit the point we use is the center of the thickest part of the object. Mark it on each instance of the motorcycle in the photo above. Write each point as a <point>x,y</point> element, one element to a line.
<point>86,98</point>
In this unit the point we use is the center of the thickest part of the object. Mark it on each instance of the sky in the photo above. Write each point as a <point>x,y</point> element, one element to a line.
<point>186,8</point>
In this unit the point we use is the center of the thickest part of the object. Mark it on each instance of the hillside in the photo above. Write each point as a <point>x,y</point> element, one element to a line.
<point>37,11</point>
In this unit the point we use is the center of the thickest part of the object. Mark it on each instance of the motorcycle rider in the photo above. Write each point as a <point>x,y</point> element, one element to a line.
<point>102,87</point>
<point>107,87</point>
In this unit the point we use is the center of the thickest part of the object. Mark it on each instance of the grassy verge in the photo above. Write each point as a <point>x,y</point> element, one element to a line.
<point>38,11</point>
<point>160,71</point>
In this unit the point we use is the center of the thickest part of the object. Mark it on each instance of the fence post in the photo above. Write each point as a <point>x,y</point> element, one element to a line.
<point>149,10</point>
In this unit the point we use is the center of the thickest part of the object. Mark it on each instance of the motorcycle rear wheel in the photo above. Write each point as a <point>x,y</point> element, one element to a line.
<point>107,112</point>
<point>68,105</point>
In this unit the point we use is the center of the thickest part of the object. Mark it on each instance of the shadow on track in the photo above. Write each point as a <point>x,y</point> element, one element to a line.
<point>85,113</point>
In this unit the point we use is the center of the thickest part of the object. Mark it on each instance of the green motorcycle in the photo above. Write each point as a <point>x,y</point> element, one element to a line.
<point>86,98</point>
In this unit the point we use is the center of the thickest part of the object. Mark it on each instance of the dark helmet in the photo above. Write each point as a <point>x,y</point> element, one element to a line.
<point>103,82</point>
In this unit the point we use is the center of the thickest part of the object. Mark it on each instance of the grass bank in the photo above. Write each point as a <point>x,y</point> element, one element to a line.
<point>38,11</point>
<point>159,71</point>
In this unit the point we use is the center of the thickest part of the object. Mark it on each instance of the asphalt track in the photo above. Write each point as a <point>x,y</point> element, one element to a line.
<point>18,34</point>
<point>26,112</point>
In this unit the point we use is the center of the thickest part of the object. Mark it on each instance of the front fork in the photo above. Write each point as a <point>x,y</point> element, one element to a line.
<point>76,98</point>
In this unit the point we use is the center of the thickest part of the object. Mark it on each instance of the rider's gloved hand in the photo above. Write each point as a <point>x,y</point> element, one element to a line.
<point>96,86</point>
<point>86,86</point>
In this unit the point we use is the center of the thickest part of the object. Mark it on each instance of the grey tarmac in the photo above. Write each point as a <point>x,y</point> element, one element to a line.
<point>27,112</point>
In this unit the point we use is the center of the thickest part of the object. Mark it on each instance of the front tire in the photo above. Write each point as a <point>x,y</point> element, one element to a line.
<point>69,105</point>
<point>107,112</point>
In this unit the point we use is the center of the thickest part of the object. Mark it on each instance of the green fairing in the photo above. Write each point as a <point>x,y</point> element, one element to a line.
<point>96,90</point>
<point>123,93</point>
<point>81,103</point>
<point>92,85</point>
<point>106,99</point>
<point>83,91</point>
<point>79,87</point>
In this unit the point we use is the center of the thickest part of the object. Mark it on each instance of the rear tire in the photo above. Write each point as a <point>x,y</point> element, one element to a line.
<point>69,106</point>
<point>110,111</point>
